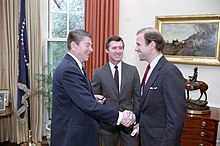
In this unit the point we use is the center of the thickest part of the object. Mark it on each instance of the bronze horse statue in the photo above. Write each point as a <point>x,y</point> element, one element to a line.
<point>191,86</point>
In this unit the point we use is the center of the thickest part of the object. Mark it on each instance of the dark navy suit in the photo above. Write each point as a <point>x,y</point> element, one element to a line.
<point>163,106</point>
<point>75,112</point>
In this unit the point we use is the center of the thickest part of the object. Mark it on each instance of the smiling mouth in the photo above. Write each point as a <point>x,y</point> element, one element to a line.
<point>117,56</point>
<point>139,54</point>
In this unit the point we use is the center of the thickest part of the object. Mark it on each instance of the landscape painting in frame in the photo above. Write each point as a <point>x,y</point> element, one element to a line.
<point>191,39</point>
<point>2,101</point>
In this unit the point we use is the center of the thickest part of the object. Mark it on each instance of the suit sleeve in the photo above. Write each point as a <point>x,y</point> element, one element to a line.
<point>136,95</point>
<point>174,96</point>
<point>80,92</point>
<point>96,84</point>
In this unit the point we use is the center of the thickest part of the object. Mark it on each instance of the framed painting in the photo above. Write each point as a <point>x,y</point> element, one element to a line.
<point>191,39</point>
<point>5,93</point>
<point>2,101</point>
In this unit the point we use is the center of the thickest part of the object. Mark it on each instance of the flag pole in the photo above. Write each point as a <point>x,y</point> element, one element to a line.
<point>24,93</point>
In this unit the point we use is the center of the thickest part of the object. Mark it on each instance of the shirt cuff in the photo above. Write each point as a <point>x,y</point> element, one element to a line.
<point>134,118</point>
<point>120,116</point>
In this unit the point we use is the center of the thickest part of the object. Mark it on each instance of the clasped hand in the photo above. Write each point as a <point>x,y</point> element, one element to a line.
<point>100,98</point>
<point>128,118</point>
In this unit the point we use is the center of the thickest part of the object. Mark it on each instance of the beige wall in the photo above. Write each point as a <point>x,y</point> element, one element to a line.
<point>135,14</point>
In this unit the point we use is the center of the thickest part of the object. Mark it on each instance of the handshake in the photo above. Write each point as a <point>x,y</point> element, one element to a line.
<point>127,118</point>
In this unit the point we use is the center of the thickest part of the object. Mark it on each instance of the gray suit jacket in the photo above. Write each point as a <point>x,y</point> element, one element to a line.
<point>129,96</point>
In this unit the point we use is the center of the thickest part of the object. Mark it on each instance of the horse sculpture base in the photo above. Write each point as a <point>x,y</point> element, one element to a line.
<point>198,112</point>
<point>197,107</point>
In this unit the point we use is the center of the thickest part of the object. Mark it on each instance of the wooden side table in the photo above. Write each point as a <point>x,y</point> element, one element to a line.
<point>201,130</point>
<point>7,111</point>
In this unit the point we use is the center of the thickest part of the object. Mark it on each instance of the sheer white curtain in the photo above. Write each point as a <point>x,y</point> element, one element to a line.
<point>10,128</point>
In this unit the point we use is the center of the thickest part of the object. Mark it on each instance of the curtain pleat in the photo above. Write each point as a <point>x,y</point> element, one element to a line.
<point>102,21</point>
<point>10,127</point>
<point>34,24</point>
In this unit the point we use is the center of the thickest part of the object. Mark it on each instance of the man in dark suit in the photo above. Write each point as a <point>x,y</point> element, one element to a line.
<point>163,102</point>
<point>125,95</point>
<point>75,112</point>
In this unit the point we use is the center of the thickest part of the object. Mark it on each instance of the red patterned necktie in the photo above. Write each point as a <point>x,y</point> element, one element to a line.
<point>145,76</point>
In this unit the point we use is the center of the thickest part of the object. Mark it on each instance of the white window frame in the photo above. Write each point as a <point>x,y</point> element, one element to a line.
<point>46,40</point>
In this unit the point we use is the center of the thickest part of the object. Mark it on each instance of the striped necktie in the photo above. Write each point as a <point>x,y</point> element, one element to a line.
<point>145,76</point>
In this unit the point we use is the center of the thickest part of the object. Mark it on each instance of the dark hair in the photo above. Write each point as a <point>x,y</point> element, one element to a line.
<point>77,36</point>
<point>113,38</point>
<point>151,34</point>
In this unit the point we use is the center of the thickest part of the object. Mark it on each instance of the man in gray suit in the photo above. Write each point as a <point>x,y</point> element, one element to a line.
<point>163,102</point>
<point>124,93</point>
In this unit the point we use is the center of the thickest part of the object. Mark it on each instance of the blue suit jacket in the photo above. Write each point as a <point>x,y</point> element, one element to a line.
<point>163,106</point>
<point>75,112</point>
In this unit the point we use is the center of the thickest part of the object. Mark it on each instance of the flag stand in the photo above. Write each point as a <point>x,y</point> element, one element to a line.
<point>30,140</point>
<point>23,77</point>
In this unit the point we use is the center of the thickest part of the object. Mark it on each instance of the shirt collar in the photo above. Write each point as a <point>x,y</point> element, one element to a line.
<point>112,66</point>
<point>77,60</point>
<point>155,61</point>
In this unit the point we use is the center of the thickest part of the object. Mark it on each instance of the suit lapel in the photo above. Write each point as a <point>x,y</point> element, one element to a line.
<point>109,77</point>
<point>87,79</point>
<point>149,83</point>
<point>124,76</point>
<point>153,76</point>
<point>83,74</point>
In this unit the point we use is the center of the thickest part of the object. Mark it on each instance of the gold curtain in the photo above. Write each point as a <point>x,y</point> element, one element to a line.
<point>9,17</point>
<point>34,16</point>
<point>10,127</point>
<point>102,21</point>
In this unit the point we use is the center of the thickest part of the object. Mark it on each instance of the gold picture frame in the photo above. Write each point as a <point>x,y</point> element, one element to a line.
<point>191,39</point>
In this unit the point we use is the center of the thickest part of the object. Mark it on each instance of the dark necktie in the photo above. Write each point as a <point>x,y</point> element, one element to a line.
<point>145,76</point>
<point>88,81</point>
<point>84,72</point>
<point>116,77</point>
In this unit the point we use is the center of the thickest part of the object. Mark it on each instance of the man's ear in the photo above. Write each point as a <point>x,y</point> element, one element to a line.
<point>152,44</point>
<point>73,45</point>
<point>106,50</point>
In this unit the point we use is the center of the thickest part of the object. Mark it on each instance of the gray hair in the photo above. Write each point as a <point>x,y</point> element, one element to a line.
<point>152,34</point>
<point>77,36</point>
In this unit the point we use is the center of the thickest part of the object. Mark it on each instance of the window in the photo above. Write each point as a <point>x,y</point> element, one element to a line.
<point>63,16</point>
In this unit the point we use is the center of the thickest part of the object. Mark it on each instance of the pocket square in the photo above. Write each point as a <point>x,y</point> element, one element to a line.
<point>153,88</point>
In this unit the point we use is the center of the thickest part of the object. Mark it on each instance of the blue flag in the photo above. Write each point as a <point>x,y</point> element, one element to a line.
<point>23,77</point>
